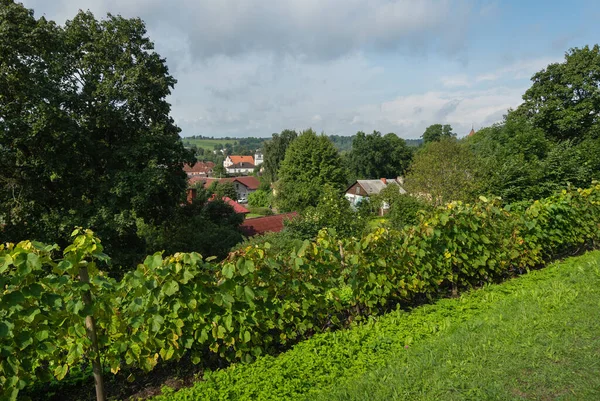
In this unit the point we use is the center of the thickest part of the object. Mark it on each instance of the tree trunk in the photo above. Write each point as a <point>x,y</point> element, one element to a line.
<point>90,326</point>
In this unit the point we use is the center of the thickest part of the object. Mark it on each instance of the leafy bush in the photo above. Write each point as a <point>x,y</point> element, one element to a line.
<point>260,198</point>
<point>332,212</point>
<point>257,301</point>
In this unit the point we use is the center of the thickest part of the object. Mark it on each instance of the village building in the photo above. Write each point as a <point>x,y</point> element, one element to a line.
<point>244,186</point>
<point>361,190</point>
<point>199,169</point>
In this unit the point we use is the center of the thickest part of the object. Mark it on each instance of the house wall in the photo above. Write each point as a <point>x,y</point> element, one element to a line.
<point>353,188</point>
<point>238,170</point>
<point>242,192</point>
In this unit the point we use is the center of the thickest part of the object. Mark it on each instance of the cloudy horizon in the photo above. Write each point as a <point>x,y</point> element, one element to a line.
<point>250,68</point>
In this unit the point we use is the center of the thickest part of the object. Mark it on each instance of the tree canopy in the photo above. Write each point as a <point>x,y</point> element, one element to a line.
<point>377,156</point>
<point>311,161</point>
<point>85,133</point>
<point>444,171</point>
<point>274,153</point>
<point>564,99</point>
<point>437,132</point>
<point>518,162</point>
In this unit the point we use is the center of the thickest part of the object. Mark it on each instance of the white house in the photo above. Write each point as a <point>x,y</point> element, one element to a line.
<point>258,158</point>
<point>361,190</point>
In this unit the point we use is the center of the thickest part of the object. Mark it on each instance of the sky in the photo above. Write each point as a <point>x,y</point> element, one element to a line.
<point>253,68</point>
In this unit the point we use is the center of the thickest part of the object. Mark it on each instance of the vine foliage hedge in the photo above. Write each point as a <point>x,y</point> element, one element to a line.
<point>256,300</point>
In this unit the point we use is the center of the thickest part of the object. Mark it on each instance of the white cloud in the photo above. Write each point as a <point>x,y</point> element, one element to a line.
<point>460,109</point>
<point>257,67</point>
<point>316,29</point>
<point>523,69</point>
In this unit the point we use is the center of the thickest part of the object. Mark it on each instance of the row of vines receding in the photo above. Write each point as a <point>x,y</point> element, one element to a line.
<point>256,301</point>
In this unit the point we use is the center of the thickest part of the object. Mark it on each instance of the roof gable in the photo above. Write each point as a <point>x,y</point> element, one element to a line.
<point>374,187</point>
<point>249,182</point>
<point>198,167</point>
<point>241,159</point>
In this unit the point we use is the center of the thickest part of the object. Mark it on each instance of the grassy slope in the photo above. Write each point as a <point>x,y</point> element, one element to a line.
<point>208,144</point>
<point>540,342</point>
<point>533,337</point>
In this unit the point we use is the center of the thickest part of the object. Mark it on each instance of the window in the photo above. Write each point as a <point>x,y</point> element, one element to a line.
<point>357,190</point>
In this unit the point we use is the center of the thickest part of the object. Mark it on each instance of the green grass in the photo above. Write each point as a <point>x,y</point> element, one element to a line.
<point>534,337</point>
<point>208,144</point>
<point>539,342</point>
<point>253,215</point>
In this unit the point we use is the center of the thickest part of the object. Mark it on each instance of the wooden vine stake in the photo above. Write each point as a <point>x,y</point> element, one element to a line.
<point>90,326</point>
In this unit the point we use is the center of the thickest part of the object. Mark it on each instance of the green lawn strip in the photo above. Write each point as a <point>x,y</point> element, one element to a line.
<point>540,342</point>
<point>328,359</point>
<point>253,215</point>
<point>208,144</point>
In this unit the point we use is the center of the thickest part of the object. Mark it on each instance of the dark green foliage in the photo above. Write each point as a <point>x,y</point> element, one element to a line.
<point>375,156</point>
<point>274,153</point>
<point>517,161</point>
<point>342,143</point>
<point>311,162</point>
<point>85,133</point>
<point>564,98</point>
<point>209,228</point>
<point>223,189</point>
<point>437,132</point>
<point>219,171</point>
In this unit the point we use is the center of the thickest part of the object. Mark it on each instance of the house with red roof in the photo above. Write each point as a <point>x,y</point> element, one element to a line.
<point>244,185</point>
<point>267,224</point>
<point>242,164</point>
<point>236,206</point>
<point>231,160</point>
<point>199,169</point>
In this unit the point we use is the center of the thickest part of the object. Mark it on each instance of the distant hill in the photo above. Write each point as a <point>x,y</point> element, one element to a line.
<point>414,142</point>
<point>250,144</point>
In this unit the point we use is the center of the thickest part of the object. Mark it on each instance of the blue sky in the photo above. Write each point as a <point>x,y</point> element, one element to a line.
<point>254,67</point>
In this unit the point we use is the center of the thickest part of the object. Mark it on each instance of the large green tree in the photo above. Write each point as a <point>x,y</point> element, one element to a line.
<point>444,171</point>
<point>274,153</point>
<point>564,99</point>
<point>85,133</point>
<point>437,132</point>
<point>518,162</point>
<point>311,161</point>
<point>377,156</point>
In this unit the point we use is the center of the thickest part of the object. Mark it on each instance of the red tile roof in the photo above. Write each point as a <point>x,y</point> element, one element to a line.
<point>249,182</point>
<point>199,167</point>
<point>242,159</point>
<point>236,206</point>
<point>261,225</point>
<point>206,181</point>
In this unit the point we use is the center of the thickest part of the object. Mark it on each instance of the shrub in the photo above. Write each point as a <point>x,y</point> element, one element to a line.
<point>260,198</point>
